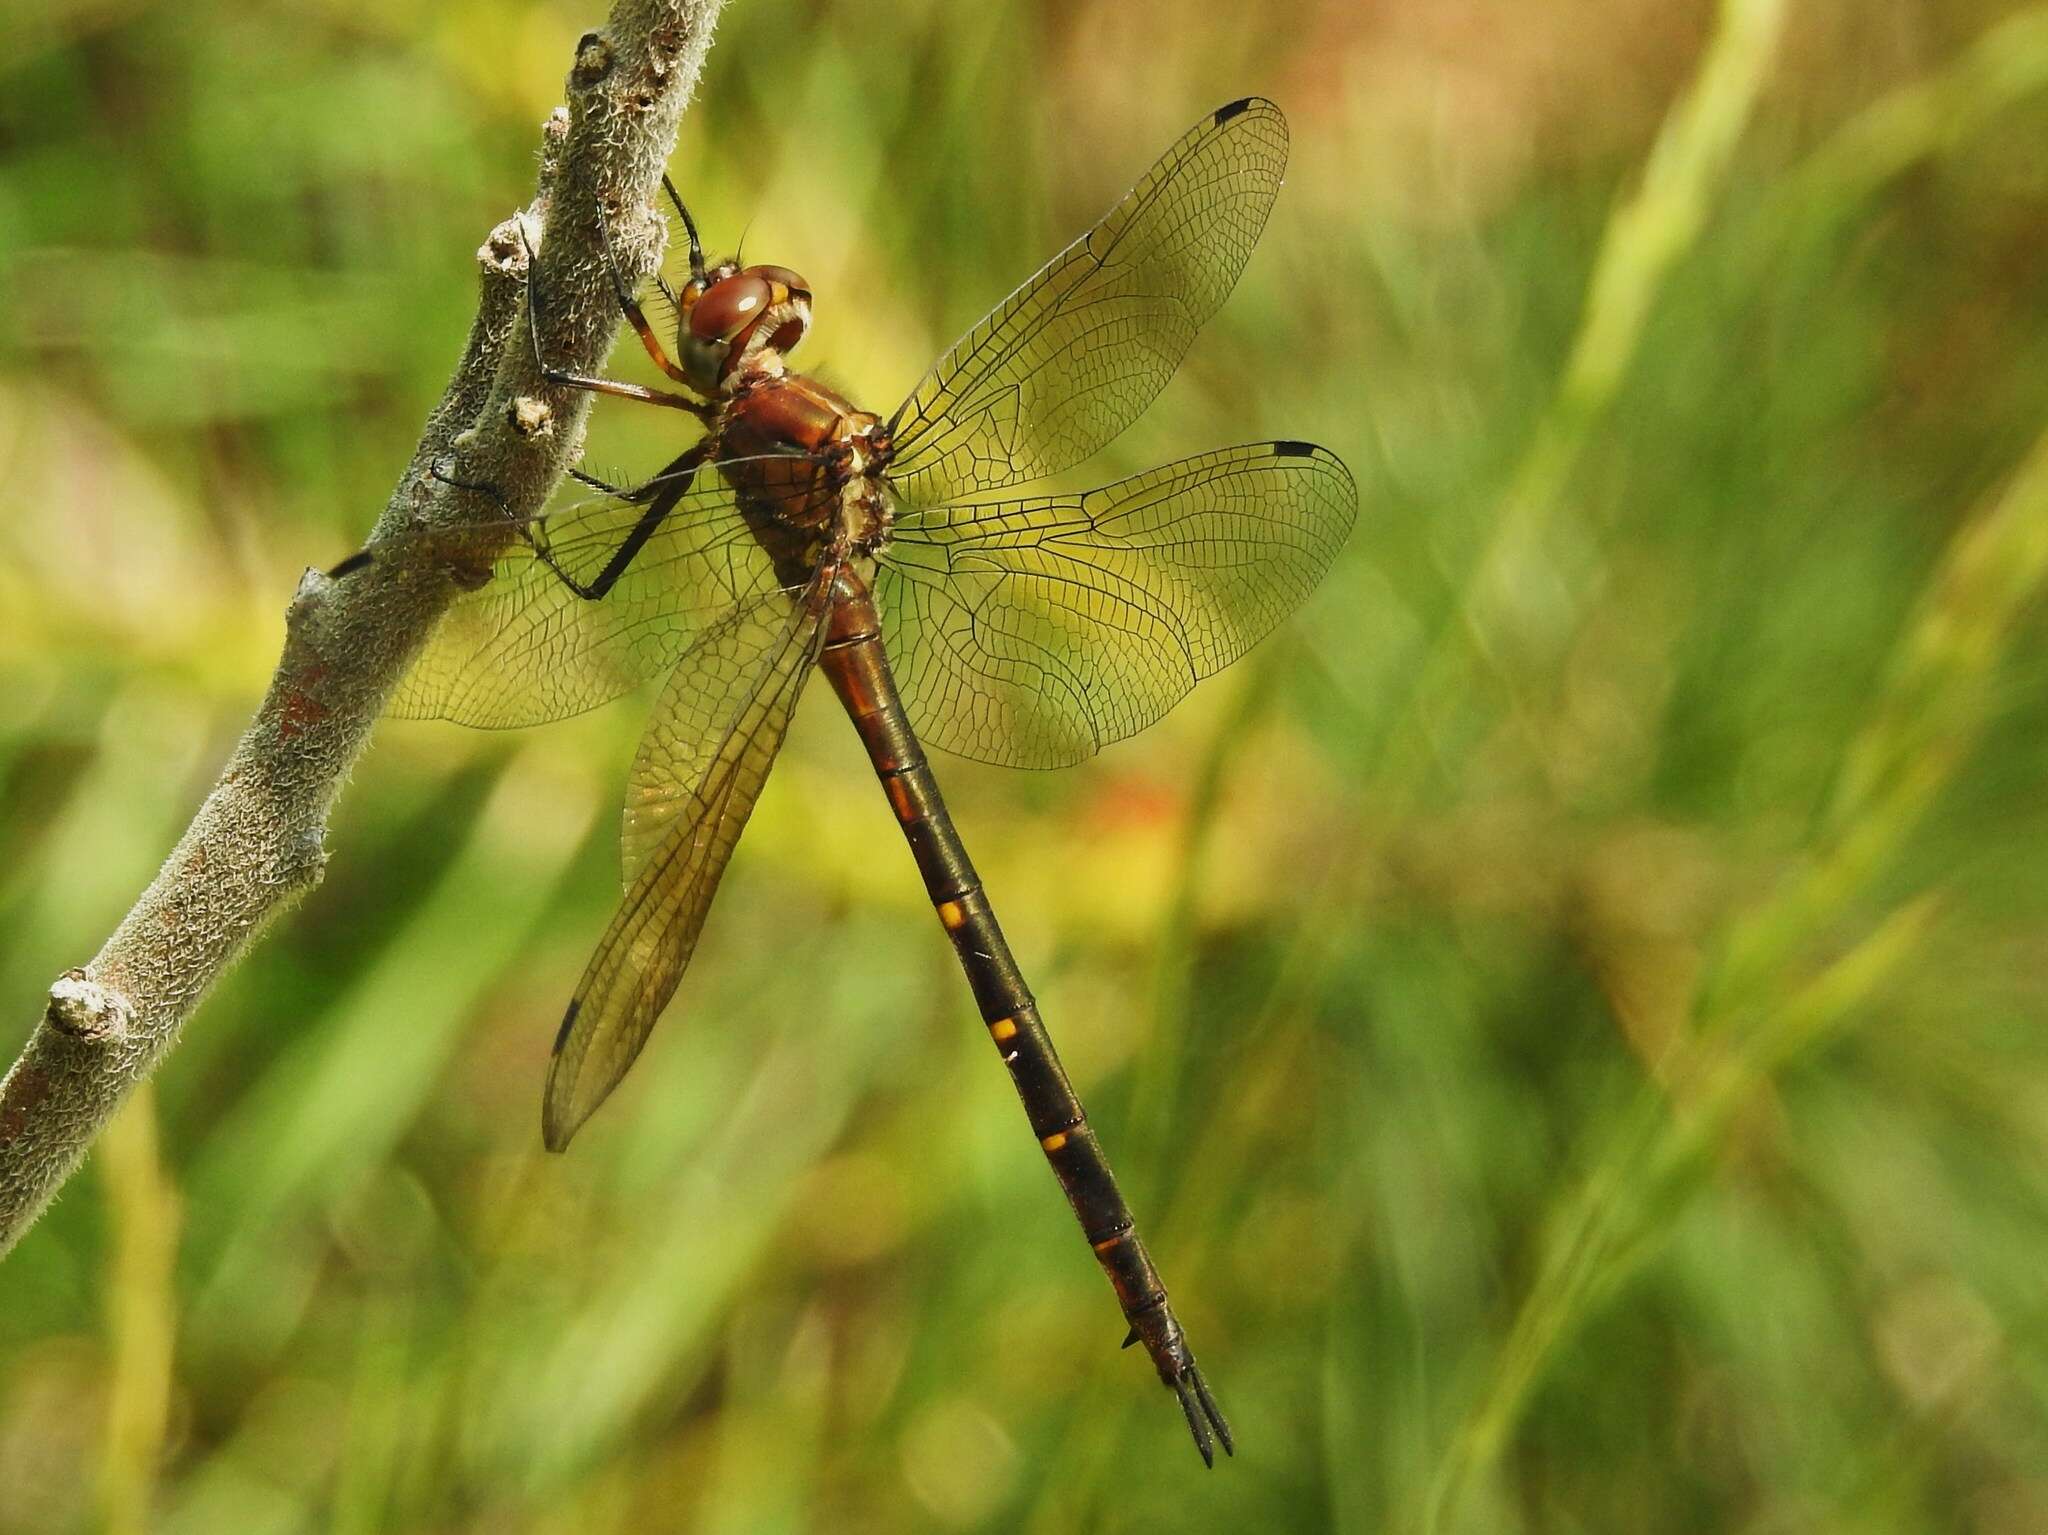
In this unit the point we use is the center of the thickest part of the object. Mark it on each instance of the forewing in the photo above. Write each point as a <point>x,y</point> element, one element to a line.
<point>524,647</point>
<point>1032,632</point>
<point>1073,357</point>
<point>702,763</point>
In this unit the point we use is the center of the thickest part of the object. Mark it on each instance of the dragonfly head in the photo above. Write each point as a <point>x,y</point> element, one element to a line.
<point>733,314</point>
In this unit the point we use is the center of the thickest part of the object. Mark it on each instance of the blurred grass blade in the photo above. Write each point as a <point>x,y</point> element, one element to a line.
<point>1929,715</point>
<point>337,1104</point>
<point>1514,593</point>
<point>709,1187</point>
<point>143,1213</point>
<point>1934,115</point>
<point>1926,720</point>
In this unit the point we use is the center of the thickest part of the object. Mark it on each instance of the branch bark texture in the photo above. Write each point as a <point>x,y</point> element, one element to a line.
<point>257,844</point>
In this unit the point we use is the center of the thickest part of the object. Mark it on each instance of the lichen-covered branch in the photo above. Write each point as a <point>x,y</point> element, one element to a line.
<point>257,843</point>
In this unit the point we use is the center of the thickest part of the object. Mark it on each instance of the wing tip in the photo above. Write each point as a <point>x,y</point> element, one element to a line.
<point>1315,452</point>
<point>560,1119</point>
<point>1242,105</point>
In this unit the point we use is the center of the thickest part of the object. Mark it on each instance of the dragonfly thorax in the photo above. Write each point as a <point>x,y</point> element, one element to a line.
<point>800,453</point>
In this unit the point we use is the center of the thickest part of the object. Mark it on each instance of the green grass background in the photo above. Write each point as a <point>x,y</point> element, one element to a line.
<point>1571,1010</point>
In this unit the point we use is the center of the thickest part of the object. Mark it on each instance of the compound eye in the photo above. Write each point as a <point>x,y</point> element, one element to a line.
<point>704,361</point>
<point>728,307</point>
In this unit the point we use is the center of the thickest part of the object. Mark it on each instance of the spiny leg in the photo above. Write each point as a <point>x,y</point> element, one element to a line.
<point>660,494</point>
<point>478,487</point>
<point>618,492</point>
<point>689,228</point>
<point>639,495</point>
<point>367,555</point>
<point>630,306</point>
<point>352,564</point>
<point>591,381</point>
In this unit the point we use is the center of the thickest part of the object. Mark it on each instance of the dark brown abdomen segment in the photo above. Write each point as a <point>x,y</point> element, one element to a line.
<point>854,659</point>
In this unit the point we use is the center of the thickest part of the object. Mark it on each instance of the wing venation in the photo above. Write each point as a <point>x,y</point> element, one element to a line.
<point>1032,631</point>
<point>1071,358</point>
<point>714,735</point>
<point>523,647</point>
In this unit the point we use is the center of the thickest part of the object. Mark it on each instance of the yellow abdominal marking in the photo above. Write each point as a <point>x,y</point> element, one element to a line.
<point>952,913</point>
<point>1003,1028</point>
<point>1054,1141</point>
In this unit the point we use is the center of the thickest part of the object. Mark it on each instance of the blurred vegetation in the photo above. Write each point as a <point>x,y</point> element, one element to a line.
<point>1569,1009</point>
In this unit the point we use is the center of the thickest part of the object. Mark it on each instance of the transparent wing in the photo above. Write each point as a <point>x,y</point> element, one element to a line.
<point>1032,632</point>
<point>525,647</point>
<point>702,763</point>
<point>1073,357</point>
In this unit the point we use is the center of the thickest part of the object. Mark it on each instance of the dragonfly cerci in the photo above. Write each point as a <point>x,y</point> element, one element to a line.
<point>800,533</point>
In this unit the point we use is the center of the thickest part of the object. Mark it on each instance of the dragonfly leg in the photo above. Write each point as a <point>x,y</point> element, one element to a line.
<point>639,494</point>
<point>689,228</point>
<point>660,494</point>
<point>620,492</point>
<point>366,555</point>
<point>352,564</point>
<point>630,307</point>
<point>591,381</point>
<point>436,472</point>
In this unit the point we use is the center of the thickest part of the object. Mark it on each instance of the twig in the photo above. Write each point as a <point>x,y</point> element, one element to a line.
<point>257,843</point>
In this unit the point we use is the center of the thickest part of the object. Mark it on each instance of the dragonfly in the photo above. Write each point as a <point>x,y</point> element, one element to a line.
<point>801,534</point>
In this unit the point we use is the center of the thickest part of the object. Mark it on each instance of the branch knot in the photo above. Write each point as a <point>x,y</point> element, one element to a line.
<point>530,417</point>
<point>593,60</point>
<point>84,1009</point>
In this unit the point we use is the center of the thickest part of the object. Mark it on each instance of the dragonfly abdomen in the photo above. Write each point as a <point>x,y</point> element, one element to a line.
<point>854,658</point>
